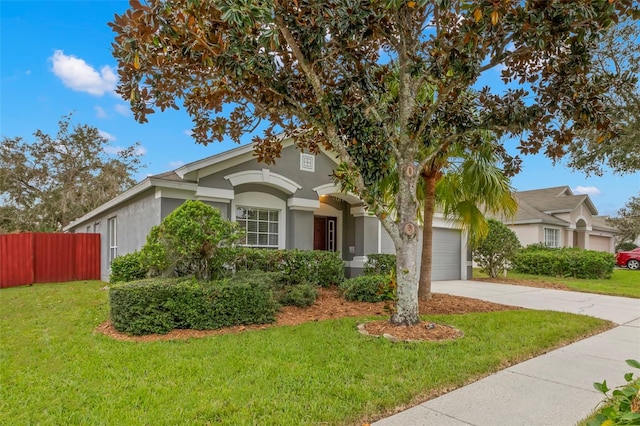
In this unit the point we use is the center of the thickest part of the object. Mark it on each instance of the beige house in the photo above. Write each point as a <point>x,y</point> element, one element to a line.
<point>559,218</point>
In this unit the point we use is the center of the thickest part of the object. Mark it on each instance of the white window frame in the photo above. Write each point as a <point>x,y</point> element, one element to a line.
<point>265,201</point>
<point>112,237</point>
<point>552,237</point>
<point>269,221</point>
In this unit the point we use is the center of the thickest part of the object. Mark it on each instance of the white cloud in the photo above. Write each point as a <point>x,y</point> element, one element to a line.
<point>107,136</point>
<point>76,74</point>
<point>176,164</point>
<point>589,190</point>
<point>100,112</point>
<point>188,132</point>
<point>122,109</point>
<point>115,149</point>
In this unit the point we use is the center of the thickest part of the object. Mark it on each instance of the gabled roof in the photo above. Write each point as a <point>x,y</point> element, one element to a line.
<point>528,214</point>
<point>558,199</point>
<point>600,223</point>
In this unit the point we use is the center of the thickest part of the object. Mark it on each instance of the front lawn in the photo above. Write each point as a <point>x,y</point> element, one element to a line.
<point>55,370</point>
<point>623,282</point>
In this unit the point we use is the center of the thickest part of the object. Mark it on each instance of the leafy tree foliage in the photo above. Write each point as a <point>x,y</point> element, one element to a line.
<point>627,221</point>
<point>48,182</point>
<point>496,251</point>
<point>186,241</point>
<point>387,85</point>
<point>617,58</point>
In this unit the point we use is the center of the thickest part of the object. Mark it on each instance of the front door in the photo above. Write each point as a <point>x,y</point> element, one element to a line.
<point>324,233</point>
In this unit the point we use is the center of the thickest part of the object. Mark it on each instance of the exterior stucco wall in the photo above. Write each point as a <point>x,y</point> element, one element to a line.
<point>134,219</point>
<point>300,230</point>
<point>288,165</point>
<point>528,234</point>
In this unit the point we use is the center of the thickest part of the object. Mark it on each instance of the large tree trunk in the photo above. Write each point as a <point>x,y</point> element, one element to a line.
<point>407,312</point>
<point>424,287</point>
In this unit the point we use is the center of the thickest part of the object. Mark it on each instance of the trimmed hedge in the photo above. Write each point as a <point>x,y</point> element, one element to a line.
<point>287,294</point>
<point>367,288</point>
<point>160,305</point>
<point>380,264</point>
<point>128,267</point>
<point>564,262</point>
<point>316,267</point>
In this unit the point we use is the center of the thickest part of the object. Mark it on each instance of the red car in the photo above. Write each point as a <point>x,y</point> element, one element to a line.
<point>630,259</point>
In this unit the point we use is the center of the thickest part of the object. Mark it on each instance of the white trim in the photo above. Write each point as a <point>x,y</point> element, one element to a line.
<point>305,204</point>
<point>265,177</point>
<point>189,186</point>
<point>205,167</point>
<point>265,201</point>
<point>178,194</point>
<point>332,189</point>
<point>360,211</point>
<point>217,193</point>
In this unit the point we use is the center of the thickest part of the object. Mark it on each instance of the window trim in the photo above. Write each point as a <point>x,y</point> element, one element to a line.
<point>265,201</point>
<point>112,238</point>
<point>556,233</point>
<point>258,221</point>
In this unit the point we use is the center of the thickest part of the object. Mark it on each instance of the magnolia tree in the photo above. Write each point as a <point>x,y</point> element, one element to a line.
<point>387,85</point>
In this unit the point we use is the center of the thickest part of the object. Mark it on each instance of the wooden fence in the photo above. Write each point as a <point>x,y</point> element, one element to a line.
<point>46,258</point>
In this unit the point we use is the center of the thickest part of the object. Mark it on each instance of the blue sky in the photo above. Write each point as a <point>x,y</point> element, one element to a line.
<point>55,58</point>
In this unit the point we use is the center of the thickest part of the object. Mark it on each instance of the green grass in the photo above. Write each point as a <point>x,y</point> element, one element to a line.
<point>623,282</point>
<point>55,370</point>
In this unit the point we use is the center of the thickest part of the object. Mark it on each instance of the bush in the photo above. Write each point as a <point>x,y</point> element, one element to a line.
<point>564,262</point>
<point>160,305</point>
<point>321,268</point>
<point>287,294</point>
<point>188,239</point>
<point>627,246</point>
<point>128,267</point>
<point>380,264</point>
<point>496,251</point>
<point>368,288</point>
<point>300,295</point>
<point>621,407</point>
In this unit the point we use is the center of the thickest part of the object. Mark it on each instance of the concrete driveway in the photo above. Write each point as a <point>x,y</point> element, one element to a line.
<point>554,389</point>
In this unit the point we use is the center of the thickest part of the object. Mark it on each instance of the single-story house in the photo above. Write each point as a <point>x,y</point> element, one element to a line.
<point>291,204</point>
<point>559,218</point>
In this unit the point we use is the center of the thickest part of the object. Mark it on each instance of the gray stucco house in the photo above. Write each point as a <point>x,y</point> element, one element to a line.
<point>292,204</point>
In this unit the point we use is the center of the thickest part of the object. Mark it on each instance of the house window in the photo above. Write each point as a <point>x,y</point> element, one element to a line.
<point>261,226</point>
<point>551,237</point>
<point>112,226</point>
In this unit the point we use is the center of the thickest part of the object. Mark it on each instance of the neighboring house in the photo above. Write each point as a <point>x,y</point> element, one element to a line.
<point>558,218</point>
<point>292,204</point>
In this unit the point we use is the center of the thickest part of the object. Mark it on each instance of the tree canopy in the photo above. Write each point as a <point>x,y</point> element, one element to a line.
<point>50,181</point>
<point>627,221</point>
<point>617,58</point>
<point>388,85</point>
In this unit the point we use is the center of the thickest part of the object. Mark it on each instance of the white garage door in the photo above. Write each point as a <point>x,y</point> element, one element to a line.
<point>447,257</point>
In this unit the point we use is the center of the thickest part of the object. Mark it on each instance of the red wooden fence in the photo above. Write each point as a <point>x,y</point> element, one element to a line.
<point>47,258</point>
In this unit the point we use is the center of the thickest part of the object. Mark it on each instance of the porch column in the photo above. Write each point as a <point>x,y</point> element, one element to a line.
<point>366,238</point>
<point>300,223</point>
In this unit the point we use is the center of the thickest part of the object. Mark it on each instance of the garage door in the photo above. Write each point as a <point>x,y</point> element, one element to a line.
<point>447,257</point>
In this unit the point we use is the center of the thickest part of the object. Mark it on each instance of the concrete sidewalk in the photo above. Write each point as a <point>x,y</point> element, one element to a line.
<point>554,389</point>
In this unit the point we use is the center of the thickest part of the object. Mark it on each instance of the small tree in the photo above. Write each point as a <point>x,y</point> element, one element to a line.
<point>627,221</point>
<point>187,240</point>
<point>496,251</point>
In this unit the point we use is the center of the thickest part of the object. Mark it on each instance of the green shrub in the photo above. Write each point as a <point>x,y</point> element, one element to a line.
<point>321,268</point>
<point>160,305</point>
<point>187,240</point>
<point>626,246</point>
<point>380,264</point>
<point>367,288</point>
<point>300,295</point>
<point>564,262</point>
<point>621,406</point>
<point>496,251</point>
<point>286,293</point>
<point>128,267</point>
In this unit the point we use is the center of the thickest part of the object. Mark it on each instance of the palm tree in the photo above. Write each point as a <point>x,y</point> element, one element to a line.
<point>466,185</point>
